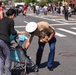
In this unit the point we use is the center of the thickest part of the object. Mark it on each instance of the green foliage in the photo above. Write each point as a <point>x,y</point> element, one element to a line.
<point>43,2</point>
<point>27,1</point>
<point>18,0</point>
<point>30,1</point>
<point>33,1</point>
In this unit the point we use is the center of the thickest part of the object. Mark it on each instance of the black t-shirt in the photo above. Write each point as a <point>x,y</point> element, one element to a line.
<point>6,28</point>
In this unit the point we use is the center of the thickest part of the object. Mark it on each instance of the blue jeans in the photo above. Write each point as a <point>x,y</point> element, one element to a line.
<point>5,64</point>
<point>51,55</point>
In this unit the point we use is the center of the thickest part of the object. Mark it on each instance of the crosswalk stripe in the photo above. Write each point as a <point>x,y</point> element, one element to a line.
<point>47,19</point>
<point>19,26</point>
<point>60,35</point>
<point>73,28</point>
<point>68,31</point>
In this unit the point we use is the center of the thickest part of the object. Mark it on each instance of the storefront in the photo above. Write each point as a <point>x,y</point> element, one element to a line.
<point>72,2</point>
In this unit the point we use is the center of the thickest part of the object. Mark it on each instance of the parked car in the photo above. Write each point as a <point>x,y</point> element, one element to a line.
<point>20,8</point>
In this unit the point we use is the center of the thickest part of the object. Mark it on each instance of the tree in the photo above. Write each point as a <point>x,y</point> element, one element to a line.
<point>30,1</point>
<point>33,1</point>
<point>27,1</point>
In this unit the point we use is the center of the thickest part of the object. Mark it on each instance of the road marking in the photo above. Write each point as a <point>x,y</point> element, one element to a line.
<point>68,31</point>
<point>58,24</point>
<point>60,35</point>
<point>71,21</point>
<point>19,26</point>
<point>66,20</point>
<point>53,24</point>
<point>73,28</point>
<point>25,21</point>
<point>62,23</point>
<point>47,19</point>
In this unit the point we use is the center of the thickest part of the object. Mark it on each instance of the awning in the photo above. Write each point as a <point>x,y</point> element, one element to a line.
<point>72,1</point>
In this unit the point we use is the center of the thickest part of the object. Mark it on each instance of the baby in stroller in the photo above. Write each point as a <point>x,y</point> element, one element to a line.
<point>20,60</point>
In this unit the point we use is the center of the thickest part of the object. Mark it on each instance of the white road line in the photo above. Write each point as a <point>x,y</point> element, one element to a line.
<point>47,19</point>
<point>59,24</point>
<point>67,20</point>
<point>68,31</point>
<point>73,28</point>
<point>60,35</point>
<point>62,23</point>
<point>61,19</point>
<point>52,24</point>
<point>69,24</point>
<point>25,21</point>
<point>19,26</point>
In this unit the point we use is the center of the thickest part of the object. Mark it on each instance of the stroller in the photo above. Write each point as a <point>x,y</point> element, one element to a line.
<point>21,62</point>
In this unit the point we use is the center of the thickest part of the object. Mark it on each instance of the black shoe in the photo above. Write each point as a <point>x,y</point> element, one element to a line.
<point>36,69</point>
<point>38,65</point>
<point>50,68</point>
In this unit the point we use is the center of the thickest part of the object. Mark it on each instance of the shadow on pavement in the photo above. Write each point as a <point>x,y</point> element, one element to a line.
<point>43,65</point>
<point>56,64</point>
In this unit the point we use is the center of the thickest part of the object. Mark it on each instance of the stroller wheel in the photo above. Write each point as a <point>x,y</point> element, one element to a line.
<point>36,69</point>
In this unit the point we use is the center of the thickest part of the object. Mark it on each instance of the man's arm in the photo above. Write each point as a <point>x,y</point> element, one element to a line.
<point>21,32</point>
<point>47,38</point>
<point>28,42</point>
<point>51,35</point>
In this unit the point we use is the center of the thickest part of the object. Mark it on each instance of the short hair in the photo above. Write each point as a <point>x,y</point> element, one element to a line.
<point>11,12</point>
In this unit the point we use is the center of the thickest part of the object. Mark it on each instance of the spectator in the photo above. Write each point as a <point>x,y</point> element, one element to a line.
<point>34,9</point>
<point>69,11</point>
<point>61,10</point>
<point>66,12</point>
<point>25,9</point>
<point>37,9</point>
<point>45,9</point>
<point>2,5</point>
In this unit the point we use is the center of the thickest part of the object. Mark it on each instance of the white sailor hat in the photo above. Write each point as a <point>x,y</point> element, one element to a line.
<point>31,27</point>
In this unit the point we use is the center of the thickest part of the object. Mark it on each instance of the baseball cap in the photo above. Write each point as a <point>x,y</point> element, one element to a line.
<point>31,27</point>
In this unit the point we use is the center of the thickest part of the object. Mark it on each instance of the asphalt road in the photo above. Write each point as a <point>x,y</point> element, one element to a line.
<point>65,55</point>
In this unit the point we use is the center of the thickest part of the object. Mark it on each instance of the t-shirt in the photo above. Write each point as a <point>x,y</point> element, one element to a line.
<point>6,29</point>
<point>25,7</point>
<point>1,13</point>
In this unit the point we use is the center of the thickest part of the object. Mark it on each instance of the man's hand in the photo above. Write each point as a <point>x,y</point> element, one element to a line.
<point>45,39</point>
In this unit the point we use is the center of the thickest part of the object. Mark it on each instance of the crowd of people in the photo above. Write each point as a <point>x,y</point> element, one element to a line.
<point>65,10</point>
